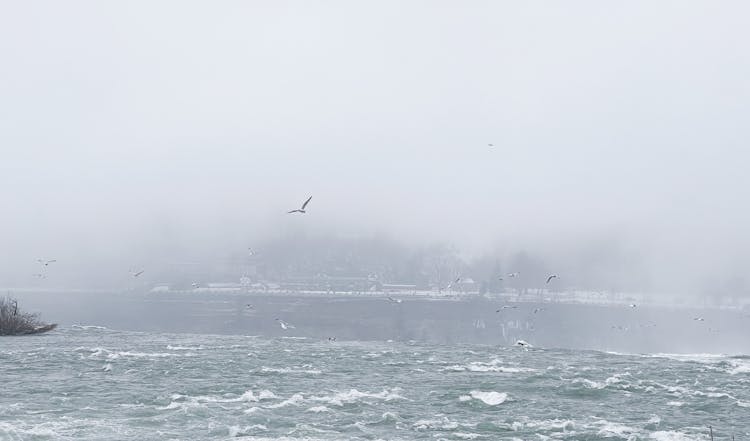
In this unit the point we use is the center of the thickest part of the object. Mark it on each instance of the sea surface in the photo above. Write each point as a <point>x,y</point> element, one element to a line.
<point>93,383</point>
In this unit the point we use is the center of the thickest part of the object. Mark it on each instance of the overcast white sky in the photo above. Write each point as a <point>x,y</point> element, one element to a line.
<point>131,122</point>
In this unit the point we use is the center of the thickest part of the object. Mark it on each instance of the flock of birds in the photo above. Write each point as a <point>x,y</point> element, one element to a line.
<point>286,325</point>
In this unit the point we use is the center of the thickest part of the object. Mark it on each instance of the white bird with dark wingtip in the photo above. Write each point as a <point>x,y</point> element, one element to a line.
<point>632,305</point>
<point>301,209</point>
<point>699,319</point>
<point>137,273</point>
<point>195,285</point>
<point>46,262</point>
<point>450,285</point>
<point>516,274</point>
<point>392,300</point>
<point>284,325</point>
<point>551,276</point>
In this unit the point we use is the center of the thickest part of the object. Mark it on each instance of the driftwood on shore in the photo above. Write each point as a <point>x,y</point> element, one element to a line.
<point>15,322</point>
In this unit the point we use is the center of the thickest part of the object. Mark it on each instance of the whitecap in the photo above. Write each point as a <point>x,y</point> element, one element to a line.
<point>671,435</point>
<point>353,395</point>
<point>294,400</point>
<point>269,370</point>
<point>490,398</point>
<point>318,409</point>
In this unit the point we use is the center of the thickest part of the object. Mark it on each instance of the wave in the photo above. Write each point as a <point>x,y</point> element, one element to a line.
<point>489,398</point>
<point>493,366</point>
<point>293,370</point>
<point>90,327</point>
<point>353,395</point>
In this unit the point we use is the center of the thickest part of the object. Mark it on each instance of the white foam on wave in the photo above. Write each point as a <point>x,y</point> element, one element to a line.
<point>184,348</point>
<point>431,424</point>
<point>556,425</point>
<point>318,409</point>
<point>180,401</point>
<point>292,370</point>
<point>466,435</point>
<point>743,403</point>
<point>353,395</point>
<point>89,327</point>
<point>676,403</point>
<point>131,354</point>
<point>671,435</point>
<point>610,429</point>
<point>491,398</point>
<point>739,367</point>
<point>493,366</point>
<point>237,431</point>
<point>294,400</point>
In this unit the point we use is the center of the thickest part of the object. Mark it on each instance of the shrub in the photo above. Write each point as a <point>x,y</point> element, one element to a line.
<point>15,322</point>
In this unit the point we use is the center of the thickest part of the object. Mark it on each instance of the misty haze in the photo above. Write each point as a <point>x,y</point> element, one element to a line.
<point>374,220</point>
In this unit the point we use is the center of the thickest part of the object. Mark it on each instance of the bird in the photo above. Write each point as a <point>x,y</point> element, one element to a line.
<point>46,262</point>
<point>632,305</point>
<point>516,274</point>
<point>250,251</point>
<point>137,273</point>
<point>195,284</point>
<point>699,319</point>
<point>538,310</point>
<point>284,325</point>
<point>392,300</point>
<point>249,306</point>
<point>552,276</point>
<point>507,307</point>
<point>331,339</point>
<point>301,209</point>
<point>500,278</point>
<point>490,145</point>
<point>450,285</point>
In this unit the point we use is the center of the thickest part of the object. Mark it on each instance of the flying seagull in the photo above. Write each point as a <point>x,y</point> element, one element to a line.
<point>699,319</point>
<point>301,209</point>
<point>552,276</point>
<point>632,305</point>
<point>137,273</point>
<point>392,300</point>
<point>538,310</point>
<point>507,307</point>
<point>195,284</point>
<point>284,325</point>
<point>516,274</point>
<point>458,279</point>
<point>46,262</point>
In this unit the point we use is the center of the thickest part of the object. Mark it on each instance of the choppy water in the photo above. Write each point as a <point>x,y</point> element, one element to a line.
<point>109,385</point>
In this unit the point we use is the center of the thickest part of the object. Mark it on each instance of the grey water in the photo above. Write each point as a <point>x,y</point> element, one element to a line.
<point>88,382</point>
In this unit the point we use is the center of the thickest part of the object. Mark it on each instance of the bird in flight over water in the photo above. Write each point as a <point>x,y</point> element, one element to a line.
<point>46,262</point>
<point>137,273</point>
<point>284,325</point>
<point>552,276</point>
<point>301,209</point>
<point>516,274</point>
